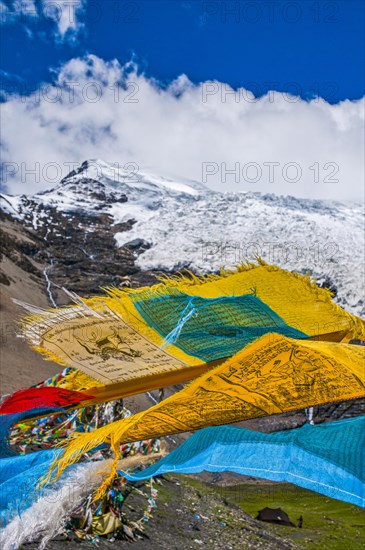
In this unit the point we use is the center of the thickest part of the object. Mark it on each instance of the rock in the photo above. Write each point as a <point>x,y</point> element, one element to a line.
<point>138,244</point>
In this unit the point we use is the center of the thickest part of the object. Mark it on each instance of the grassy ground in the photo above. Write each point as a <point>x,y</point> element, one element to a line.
<point>327,524</point>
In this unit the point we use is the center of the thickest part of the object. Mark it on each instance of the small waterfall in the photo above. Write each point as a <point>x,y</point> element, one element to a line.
<point>309,415</point>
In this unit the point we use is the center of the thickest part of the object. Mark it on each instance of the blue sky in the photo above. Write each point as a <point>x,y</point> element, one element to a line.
<point>305,139</point>
<point>306,47</point>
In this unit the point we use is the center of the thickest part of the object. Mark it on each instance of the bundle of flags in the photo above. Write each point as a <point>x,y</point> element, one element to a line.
<point>253,342</point>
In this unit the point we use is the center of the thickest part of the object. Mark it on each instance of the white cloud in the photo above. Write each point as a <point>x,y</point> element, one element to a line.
<point>64,13</point>
<point>101,109</point>
<point>12,11</point>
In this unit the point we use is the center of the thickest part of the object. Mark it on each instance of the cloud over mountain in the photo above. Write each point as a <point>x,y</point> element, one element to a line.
<point>226,138</point>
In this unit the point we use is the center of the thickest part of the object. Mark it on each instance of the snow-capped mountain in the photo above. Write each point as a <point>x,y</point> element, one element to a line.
<point>158,223</point>
<point>97,187</point>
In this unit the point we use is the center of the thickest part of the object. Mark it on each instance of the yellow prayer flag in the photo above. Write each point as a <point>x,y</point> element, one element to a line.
<point>270,376</point>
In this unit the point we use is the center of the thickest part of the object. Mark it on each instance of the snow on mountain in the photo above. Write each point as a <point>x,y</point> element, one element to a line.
<point>226,229</point>
<point>100,187</point>
<point>188,225</point>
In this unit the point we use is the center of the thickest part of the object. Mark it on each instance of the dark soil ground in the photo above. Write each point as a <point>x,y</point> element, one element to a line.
<point>189,515</point>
